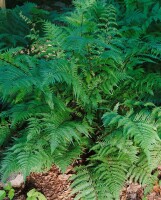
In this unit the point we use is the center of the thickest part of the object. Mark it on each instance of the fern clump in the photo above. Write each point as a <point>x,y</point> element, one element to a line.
<point>86,87</point>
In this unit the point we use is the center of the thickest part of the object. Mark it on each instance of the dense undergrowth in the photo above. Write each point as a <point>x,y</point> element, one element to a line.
<point>85,84</point>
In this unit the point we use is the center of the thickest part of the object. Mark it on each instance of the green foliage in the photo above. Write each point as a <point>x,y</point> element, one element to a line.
<point>87,87</point>
<point>2,194</point>
<point>7,191</point>
<point>35,195</point>
<point>14,28</point>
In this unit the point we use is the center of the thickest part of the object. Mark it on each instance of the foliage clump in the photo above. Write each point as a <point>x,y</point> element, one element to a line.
<point>88,89</point>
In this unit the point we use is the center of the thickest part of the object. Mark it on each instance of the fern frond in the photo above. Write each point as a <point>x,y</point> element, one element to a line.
<point>66,155</point>
<point>144,134</point>
<point>4,132</point>
<point>84,184</point>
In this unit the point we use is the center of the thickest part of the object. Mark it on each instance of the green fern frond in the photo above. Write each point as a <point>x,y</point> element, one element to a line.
<point>144,134</point>
<point>84,184</point>
<point>66,155</point>
<point>4,132</point>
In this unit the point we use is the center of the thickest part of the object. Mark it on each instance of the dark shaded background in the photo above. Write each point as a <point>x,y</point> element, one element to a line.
<point>50,3</point>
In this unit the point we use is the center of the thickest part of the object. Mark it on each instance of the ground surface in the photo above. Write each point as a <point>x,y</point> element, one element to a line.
<point>53,184</point>
<point>56,186</point>
<point>135,192</point>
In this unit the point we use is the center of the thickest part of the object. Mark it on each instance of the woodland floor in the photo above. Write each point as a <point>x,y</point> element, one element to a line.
<point>55,186</point>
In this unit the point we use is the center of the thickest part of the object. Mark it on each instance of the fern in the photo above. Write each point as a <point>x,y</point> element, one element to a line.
<point>83,89</point>
<point>144,133</point>
<point>4,132</point>
<point>84,183</point>
<point>13,28</point>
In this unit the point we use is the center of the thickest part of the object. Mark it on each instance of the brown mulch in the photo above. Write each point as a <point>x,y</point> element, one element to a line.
<point>134,191</point>
<point>56,186</point>
<point>53,184</point>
